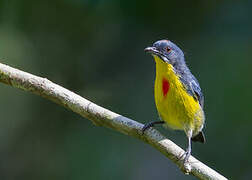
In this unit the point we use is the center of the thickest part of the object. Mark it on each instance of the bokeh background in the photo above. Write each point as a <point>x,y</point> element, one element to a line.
<point>95,48</point>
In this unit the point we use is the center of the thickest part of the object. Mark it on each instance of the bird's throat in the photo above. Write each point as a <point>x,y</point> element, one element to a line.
<point>163,79</point>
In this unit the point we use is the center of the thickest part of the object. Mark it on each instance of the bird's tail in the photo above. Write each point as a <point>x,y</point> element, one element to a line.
<point>199,137</point>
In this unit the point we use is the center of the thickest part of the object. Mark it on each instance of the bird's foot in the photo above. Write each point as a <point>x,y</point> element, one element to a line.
<point>147,126</point>
<point>186,167</point>
<point>151,124</point>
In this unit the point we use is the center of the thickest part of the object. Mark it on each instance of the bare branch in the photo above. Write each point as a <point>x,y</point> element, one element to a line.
<point>103,117</point>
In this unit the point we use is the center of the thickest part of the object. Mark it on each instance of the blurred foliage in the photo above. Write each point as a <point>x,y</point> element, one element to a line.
<point>95,48</point>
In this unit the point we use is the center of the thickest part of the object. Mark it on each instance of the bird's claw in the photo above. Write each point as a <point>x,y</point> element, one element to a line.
<point>146,126</point>
<point>186,167</point>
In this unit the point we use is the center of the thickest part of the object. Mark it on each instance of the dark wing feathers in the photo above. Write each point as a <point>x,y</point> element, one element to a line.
<point>192,86</point>
<point>196,89</point>
<point>190,82</point>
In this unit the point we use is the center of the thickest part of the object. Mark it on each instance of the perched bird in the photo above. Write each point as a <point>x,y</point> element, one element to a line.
<point>178,96</point>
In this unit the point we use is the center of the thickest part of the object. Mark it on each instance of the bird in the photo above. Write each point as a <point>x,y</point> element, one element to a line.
<point>178,96</point>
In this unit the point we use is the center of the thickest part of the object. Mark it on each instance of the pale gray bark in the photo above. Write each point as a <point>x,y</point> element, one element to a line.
<point>104,117</point>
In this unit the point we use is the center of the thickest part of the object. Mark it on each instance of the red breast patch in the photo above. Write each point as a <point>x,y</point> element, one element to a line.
<point>165,86</point>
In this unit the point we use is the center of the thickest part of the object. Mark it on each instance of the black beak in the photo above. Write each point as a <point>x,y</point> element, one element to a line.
<point>151,50</point>
<point>155,51</point>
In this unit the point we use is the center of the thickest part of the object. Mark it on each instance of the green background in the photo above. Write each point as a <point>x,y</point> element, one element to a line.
<point>95,48</point>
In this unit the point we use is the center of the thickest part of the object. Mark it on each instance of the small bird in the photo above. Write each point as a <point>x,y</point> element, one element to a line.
<point>178,95</point>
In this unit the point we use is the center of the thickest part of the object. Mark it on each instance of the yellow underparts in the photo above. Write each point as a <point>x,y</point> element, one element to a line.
<point>177,108</point>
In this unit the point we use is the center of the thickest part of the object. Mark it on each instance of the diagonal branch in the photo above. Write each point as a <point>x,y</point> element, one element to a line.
<point>102,117</point>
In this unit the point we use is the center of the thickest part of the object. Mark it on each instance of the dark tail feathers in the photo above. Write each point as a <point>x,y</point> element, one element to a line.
<point>199,137</point>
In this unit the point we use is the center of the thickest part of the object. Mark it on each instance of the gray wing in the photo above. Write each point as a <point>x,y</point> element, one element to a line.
<point>193,88</point>
<point>197,90</point>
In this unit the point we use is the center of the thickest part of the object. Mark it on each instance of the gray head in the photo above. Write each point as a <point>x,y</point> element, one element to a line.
<point>168,52</point>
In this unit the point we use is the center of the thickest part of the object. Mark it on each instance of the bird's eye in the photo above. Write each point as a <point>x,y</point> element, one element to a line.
<point>168,49</point>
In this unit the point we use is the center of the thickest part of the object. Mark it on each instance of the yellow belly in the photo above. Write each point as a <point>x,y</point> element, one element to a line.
<point>175,106</point>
